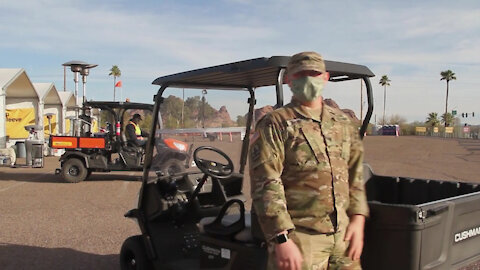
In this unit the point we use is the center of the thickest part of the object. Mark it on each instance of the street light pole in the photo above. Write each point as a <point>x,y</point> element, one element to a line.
<point>204,92</point>
<point>85,71</point>
<point>82,68</point>
<point>76,125</point>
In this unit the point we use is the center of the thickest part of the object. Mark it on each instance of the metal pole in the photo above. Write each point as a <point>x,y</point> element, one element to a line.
<point>384,101</point>
<point>183,105</point>
<point>204,92</point>
<point>75,79</point>
<point>64,78</point>
<point>361,100</point>
<point>279,88</point>
<point>3,119</point>
<point>368,115</point>
<point>84,99</point>
<point>246,139</point>
<point>84,81</point>
<point>75,122</point>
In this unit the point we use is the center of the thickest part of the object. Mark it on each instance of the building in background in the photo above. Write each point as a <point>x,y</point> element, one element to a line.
<point>50,106</point>
<point>18,105</point>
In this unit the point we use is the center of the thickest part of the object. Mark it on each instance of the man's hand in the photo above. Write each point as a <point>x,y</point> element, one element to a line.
<point>354,234</point>
<point>288,256</point>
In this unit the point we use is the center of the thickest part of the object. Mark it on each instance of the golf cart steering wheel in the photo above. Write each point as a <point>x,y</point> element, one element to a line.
<point>213,168</point>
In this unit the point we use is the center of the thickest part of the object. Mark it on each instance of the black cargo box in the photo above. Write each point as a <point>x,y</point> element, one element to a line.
<point>419,224</point>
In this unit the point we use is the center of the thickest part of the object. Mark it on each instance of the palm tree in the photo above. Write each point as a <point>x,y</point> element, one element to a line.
<point>115,71</point>
<point>447,119</point>
<point>447,75</point>
<point>432,119</point>
<point>384,81</point>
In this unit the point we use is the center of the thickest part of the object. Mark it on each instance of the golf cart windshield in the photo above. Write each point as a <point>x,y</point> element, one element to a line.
<point>260,83</point>
<point>109,113</point>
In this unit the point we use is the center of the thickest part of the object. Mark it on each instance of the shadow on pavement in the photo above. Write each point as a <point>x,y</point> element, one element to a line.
<point>111,177</point>
<point>13,257</point>
<point>14,175</point>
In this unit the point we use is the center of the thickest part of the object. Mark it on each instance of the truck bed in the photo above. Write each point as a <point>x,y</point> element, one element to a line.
<point>420,224</point>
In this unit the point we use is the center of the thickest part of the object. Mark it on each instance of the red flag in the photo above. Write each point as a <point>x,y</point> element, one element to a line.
<point>118,84</point>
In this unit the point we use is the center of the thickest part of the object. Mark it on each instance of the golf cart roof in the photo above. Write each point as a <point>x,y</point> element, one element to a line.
<point>117,104</point>
<point>253,73</point>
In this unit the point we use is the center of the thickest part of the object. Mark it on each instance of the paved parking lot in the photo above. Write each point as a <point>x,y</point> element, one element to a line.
<point>48,224</point>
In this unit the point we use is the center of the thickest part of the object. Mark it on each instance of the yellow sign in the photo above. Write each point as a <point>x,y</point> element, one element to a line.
<point>449,130</point>
<point>435,129</point>
<point>67,126</point>
<point>46,128</point>
<point>94,126</point>
<point>60,144</point>
<point>420,129</point>
<point>17,119</point>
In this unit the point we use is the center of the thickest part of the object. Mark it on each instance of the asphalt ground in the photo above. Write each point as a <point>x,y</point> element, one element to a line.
<point>46,223</point>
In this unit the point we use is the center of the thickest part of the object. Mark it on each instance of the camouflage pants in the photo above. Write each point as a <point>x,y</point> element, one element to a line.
<point>320,251</point>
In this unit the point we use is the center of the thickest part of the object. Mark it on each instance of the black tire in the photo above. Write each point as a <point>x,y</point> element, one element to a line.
<point>133,255</point>
<point>172,166</point>
<point>74,171</point>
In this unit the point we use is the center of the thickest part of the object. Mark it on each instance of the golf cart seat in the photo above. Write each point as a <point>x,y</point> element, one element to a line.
<point>128,146</point>
<point>237,227</point>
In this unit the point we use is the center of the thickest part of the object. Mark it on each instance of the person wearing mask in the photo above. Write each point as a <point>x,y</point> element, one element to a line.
<point>307,177</point>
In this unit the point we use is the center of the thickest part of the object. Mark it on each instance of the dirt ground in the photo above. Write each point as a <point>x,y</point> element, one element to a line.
<point>48,224</point>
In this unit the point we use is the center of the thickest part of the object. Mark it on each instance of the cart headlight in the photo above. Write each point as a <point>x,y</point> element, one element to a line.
<point>180,146</point>
<point>176,144</point>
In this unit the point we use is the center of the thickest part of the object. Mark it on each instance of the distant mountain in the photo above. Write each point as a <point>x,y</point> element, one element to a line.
<point>195,113</point>
<point>173,106</point>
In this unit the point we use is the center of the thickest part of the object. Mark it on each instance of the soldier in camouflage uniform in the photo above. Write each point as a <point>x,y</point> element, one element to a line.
<point>306,177</point>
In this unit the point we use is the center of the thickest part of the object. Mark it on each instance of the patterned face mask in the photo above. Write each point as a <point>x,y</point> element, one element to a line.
<point>307,88</point>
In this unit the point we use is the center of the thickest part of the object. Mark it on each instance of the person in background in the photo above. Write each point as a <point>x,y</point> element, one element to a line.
<point>134,134</point>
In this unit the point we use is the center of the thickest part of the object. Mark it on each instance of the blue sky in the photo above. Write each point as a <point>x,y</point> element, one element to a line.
<point>410,41</point>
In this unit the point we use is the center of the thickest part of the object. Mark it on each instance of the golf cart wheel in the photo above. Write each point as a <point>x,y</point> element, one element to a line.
<point>172,166</point>
<point>133,255</point>
<point>74,171</point>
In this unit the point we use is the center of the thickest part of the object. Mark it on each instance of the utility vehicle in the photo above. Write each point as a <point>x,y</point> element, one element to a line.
<point>109,150</point>
<point>187,220</point>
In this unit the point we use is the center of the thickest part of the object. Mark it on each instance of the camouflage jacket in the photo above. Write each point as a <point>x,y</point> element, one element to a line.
<point>305,172</point>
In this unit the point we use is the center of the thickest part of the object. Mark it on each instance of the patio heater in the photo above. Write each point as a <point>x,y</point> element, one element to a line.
<point>50,130</point>
<point>82,68</point>
<point>72,120</point>
<point>49,119</point>
<point>84,72</point>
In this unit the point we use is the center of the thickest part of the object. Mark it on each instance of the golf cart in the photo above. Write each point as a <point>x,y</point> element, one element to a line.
<point>186,219</point>
<point>109,150</point>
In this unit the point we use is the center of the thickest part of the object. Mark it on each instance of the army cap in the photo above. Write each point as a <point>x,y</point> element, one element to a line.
<point>305,61</point>
<point>137,116</point>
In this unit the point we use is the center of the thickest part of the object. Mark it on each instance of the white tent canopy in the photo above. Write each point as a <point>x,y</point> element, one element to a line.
<point>49,103</point>
<point>48,93</point>
<point>68,109</point>
<point>67,98</point>
<point>16,92</point>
